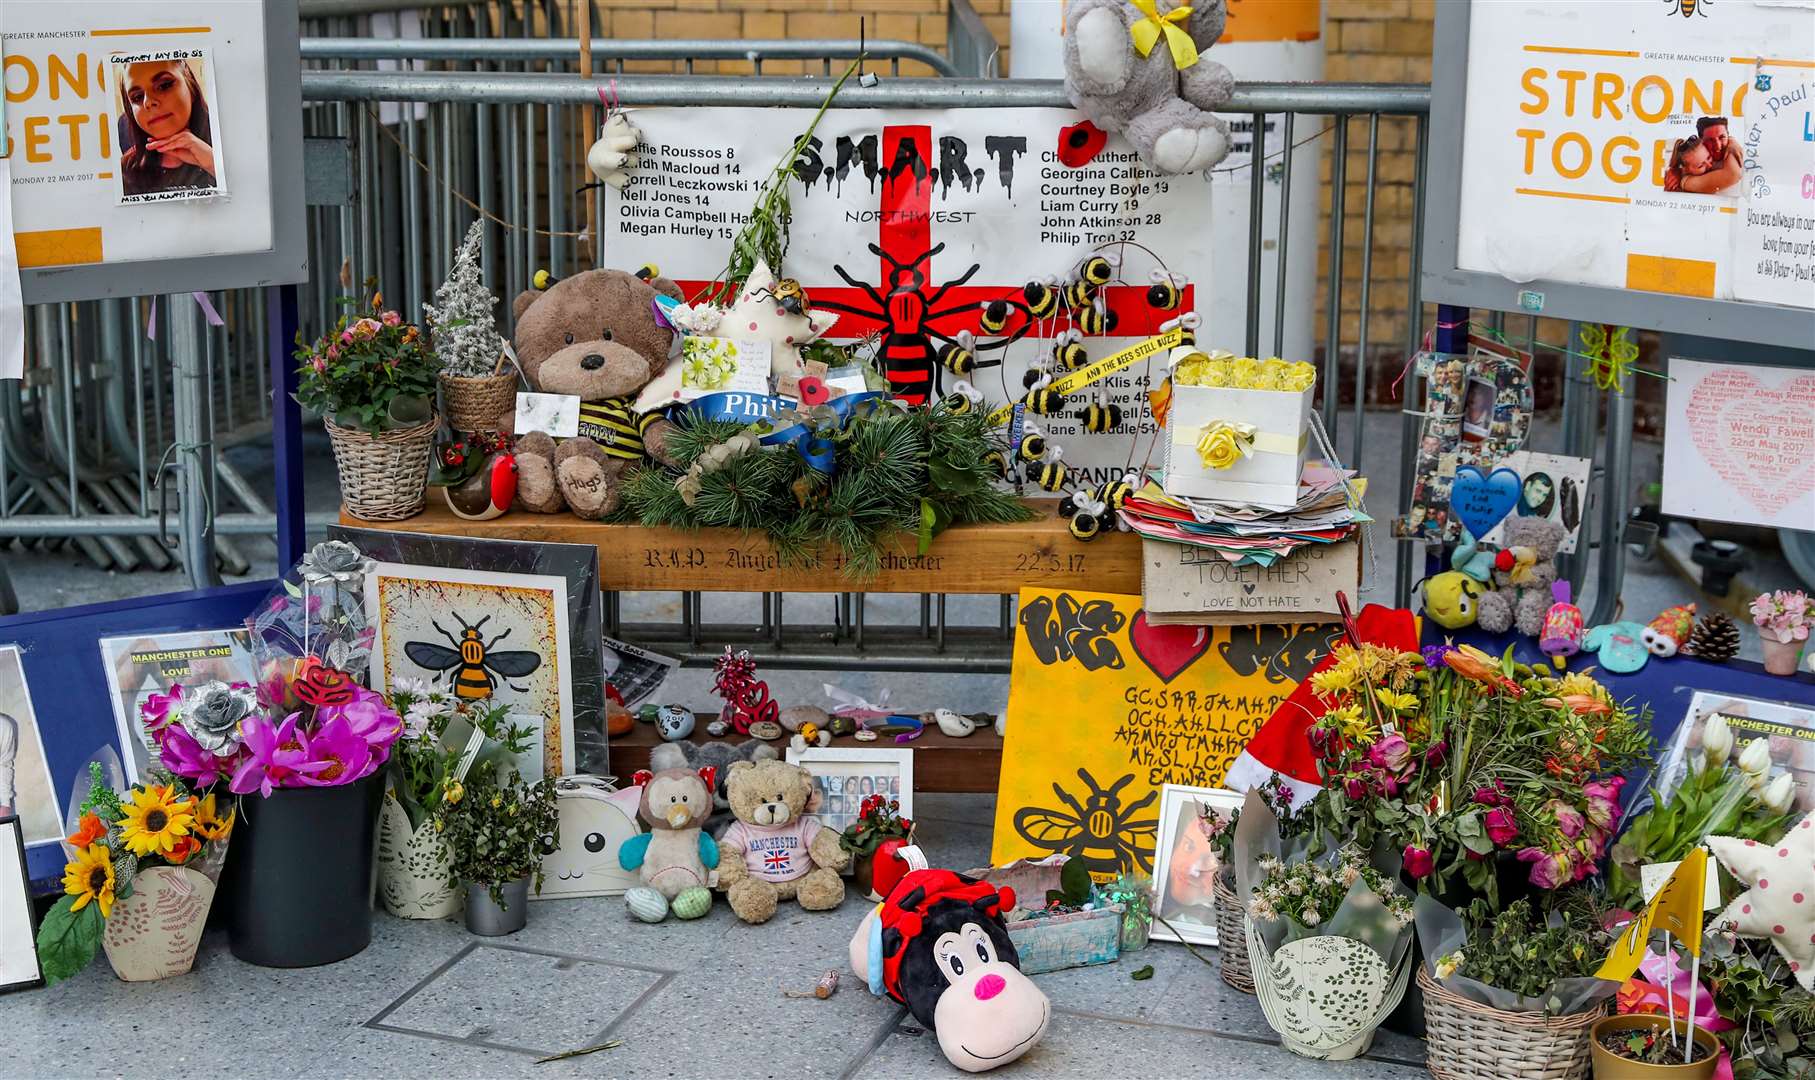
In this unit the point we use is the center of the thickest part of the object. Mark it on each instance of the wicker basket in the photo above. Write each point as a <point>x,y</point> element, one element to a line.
<point>382,477</point>
<point>1472,1041</point>
<point>1231,936</point>
<point>475,404</point>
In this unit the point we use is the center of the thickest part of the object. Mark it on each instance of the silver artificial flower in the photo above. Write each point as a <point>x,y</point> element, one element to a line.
<point>336,561</point>
<point>212,712</point>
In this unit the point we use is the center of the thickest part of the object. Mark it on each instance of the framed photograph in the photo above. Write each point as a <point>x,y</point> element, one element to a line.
<point>1788,729</point>
<point>140,665</point>
<point>431,621</point>
<point>26,788</point>
<point>634,672</point>
<point>1185,863</point>
<point>844,776</point>
<point>167,107</point>
<point>576,740</point>
<point>18,943</point>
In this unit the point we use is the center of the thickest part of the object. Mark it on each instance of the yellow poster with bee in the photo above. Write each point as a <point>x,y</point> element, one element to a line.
<point>1105,707</point>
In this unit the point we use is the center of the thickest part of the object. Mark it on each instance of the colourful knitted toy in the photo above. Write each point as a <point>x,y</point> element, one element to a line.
<point>1670,629</point>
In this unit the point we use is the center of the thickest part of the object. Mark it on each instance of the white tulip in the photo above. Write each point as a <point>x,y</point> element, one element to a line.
<point>1717,740</point>
<point>1780,793</point>
<point>1755,759</point>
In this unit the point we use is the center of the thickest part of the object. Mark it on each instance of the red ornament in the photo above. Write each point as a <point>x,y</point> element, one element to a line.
<point>746,698</point>
<point>1080,143</point>
<point>813,391</point>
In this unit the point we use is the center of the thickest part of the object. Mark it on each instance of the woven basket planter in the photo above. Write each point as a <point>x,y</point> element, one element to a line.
<point>382,477</point>
<point>1231,937</point>
<point>475,404</point>
<point>1472,1041</point>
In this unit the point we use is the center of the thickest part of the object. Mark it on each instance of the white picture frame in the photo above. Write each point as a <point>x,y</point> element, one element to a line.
<point>27,789</point>
<point>1179,851</point>
<point>833,767</point>
<point>185,657</point>
<point>19,967</point>
<point>515,601</point>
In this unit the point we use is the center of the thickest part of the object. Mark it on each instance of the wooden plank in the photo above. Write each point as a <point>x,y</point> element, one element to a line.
<point>941,763</point>
<point>964,559</point>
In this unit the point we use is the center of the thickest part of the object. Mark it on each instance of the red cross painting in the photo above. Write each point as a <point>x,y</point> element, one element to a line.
<point>918,320</point>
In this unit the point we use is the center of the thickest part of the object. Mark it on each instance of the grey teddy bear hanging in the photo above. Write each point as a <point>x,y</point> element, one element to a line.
<point>1135,66</point>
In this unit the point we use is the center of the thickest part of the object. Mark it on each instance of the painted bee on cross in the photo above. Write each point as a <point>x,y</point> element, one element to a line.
<point>476,664</point>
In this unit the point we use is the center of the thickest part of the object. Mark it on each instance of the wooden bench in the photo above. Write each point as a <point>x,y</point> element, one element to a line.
<point>965,559</point>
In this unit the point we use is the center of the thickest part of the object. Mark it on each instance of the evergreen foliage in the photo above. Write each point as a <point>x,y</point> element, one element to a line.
<point>461,323</point>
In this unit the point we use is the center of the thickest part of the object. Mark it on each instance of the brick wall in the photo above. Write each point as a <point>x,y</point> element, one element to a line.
<point>922,21</point>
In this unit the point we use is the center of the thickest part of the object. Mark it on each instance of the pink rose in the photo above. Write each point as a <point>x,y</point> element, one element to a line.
<point>1502,828</point>
<point>1604,801</point>
<point>391,318</point>
<point>1392,753</point>
<point>1436,754</point>
<point>1569,819</point>
<point>320,366</point>
<point>1355,788</point>
<point>1419,862</point>
<point>347,336</point>
<point>1548,871</point>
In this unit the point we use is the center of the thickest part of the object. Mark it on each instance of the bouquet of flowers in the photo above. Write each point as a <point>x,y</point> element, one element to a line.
<point>1456,758</point>
<point>1515,959</point>
<point>1716,797</point>
<point>424,766</point>
<point>318,611</point>
<point>1784,615</point>
<point>340,733</point>
<point>372,372</point>
<point>154,824</point>
<point>1305,895</point>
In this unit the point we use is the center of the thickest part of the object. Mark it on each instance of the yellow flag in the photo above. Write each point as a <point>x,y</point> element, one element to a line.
<point>1676,909</point>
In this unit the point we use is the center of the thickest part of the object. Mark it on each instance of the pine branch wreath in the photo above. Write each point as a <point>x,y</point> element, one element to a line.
<point>897,470</point>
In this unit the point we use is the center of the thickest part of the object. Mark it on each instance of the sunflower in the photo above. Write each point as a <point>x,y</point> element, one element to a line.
<point>155,819</point>
<point>89,876</point>
<point>209,824</point>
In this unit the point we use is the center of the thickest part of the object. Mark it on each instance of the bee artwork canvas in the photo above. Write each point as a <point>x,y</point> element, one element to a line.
<point>485,638</point>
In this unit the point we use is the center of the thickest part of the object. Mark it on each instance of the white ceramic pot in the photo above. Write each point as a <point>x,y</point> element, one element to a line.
<point>414,878</point>
<point>153,933</point>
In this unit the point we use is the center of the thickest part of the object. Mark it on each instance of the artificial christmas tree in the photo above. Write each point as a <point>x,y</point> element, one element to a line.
<point>1714,639</point>
<point>476,395</point>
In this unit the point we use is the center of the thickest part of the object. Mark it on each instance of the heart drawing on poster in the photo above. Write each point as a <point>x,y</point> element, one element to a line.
<point>1167,650</point>
<point>1482,499</point>
<point>1756,438</point>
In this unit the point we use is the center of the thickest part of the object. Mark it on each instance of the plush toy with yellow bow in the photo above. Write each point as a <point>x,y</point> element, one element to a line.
<point>1524,569</point>
<point>1136,66</point>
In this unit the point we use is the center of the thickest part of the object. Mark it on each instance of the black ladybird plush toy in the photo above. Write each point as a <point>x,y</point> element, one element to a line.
<point>938,945</point>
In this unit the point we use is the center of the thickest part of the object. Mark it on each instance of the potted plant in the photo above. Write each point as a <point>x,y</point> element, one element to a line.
<point>878,832</point>
<point>1511,993</point>
<point>139,882</point>
<point>372,380</point>
<point>415,867</point>
<point>1329,939</point>
<point>1638,1046</point>
<point>498,829</point>
<point>477,392</point>
<point>1783,617</point>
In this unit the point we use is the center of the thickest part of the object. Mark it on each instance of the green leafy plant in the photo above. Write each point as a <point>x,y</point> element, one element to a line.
<point>1075,886</point>
<point>878,819</point>
<point>424,760</point>
<point>1519,951</point>
<point>1773,1037</point>
<point>359,370</point>
<point>499,829</point>
<point>895,470</point>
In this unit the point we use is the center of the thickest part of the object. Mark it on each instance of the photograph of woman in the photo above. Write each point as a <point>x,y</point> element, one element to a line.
<point>25,782</point>
<point>168,145</point>
<point>1705,163</point>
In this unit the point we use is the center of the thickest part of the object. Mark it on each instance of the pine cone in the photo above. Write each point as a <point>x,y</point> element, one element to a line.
<point>1714,639</point>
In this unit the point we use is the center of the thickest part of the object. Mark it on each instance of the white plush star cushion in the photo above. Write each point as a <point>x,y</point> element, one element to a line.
<point>758,315</point>
<point>1780,904</point>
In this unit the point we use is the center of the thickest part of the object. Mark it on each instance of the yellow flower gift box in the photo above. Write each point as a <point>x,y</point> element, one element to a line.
<point>1239,427</point>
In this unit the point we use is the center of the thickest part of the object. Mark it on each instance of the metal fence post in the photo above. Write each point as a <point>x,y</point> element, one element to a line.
<point>189,407</point>
<point>286,424</point>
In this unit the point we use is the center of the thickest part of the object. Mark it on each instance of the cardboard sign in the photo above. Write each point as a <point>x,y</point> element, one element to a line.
<point>1181,584</point>
<point>1106,706</point>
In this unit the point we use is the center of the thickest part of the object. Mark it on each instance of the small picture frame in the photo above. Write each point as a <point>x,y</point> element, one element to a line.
<point>844,776</point>
<point>1185,864</point>
<point>19,968</point>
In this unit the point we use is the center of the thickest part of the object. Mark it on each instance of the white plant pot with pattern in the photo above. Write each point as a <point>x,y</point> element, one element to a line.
<point>414,876</point>
<point>153,933</point>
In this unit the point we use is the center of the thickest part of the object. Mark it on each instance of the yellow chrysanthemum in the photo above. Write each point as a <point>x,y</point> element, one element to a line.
<point>1351,723</point>
<point>155,819</point>
<point>1576,684</point>
<point>89,876</point>
<point>1398,702</point>
<point>209,824</point>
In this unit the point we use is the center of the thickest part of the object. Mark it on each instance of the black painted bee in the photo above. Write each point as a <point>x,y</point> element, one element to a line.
<point>1098,831</point>
<point>1033,447</point>
<point>480,664</point>
<point>1097,270</point>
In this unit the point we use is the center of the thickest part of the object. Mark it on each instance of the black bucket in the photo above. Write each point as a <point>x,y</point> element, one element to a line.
<point>300,875</point>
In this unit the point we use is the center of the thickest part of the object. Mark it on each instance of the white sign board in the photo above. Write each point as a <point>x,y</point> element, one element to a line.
<point>981,190</point>
<point>139,132</point>
<point>1741,444</point>
<point>1639,144</point>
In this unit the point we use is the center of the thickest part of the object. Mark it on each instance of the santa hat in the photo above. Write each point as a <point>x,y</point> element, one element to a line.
<point>1282,746</point>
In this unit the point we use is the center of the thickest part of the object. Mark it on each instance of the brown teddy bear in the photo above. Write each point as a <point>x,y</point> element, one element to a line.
<point>772,852</point>
<point>593,335</point>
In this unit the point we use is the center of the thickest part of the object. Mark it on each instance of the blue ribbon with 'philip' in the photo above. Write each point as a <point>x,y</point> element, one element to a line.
<point>817,452</point>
